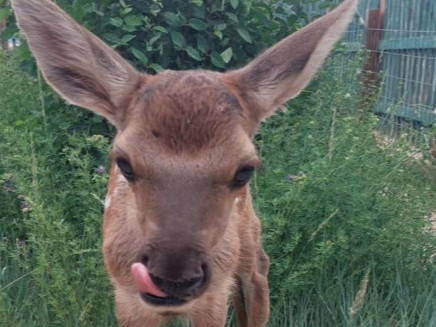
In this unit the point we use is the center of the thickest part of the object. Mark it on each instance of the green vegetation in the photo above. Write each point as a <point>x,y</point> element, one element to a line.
<point>344,213</point>
<point>51,265</point>
<point>341,206</point>
<point>336,205</point>
<point>180,34</point>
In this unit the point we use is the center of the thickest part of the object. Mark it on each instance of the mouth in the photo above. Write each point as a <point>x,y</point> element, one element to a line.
<point>149,291</point>
<point>162,301</point>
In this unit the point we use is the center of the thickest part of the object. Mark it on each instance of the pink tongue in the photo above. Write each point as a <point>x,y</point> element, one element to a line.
<point>143,280</point>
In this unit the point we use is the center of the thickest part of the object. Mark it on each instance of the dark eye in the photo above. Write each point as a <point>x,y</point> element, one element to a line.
<point>126,169</point>
<point>243,176</point>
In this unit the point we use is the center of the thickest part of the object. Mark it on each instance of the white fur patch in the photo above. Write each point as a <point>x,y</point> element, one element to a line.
<point>121,179</point>
<point>107,203</point>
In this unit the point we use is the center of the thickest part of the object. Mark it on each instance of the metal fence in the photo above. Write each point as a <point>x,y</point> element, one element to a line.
<point>400,37</point>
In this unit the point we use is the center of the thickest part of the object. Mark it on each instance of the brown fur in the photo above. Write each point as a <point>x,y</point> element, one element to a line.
<point>185,135</point>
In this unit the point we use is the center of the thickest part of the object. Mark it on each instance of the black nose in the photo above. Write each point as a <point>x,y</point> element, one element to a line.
<point>183,287</point>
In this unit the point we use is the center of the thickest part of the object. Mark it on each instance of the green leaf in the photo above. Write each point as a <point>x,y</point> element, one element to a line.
<point>198,24</point>
<point>112,38</point>
<point>139,55</point>
<point>227,55</point>
<point>97,12</point>
<point>198,3</point>
<point>127,38</point>
<point>221,27</point>
<point>173,19</point>
<point>130,29</point>
<point>244,34</point>
<point>125,11</point>
<point>157,68</point>
<point>123,4</point>
<point>199,12</point>
<point>133,20</point>
<point>217,60</point>
<point>202,44</point>
<point>232,16</point>
<point>224,42</point>
<point>160,29</point>
<point>193,53</point>
<point>219,34</point>
<point>117,22</point>
<point>177,38</point>
<point>234,3</point>
<point>154,39</point>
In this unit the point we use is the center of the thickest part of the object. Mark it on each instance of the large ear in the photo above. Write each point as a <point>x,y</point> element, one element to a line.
<point>284,70</point>
<point>77,64</point>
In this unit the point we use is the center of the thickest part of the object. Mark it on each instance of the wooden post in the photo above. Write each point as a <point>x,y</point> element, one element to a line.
<point>3,43</point>
<point>371,66</point>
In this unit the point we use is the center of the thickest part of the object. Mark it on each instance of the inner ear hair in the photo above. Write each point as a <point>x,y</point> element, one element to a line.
<point>78,65</point>
<point>285,69</point>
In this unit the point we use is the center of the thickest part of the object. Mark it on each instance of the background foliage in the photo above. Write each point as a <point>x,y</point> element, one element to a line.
<point>338,207</point>
<point>340,204</point>
<point>181,34</point>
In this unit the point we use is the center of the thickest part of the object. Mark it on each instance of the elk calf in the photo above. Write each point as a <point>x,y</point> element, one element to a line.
<point>180,232</point>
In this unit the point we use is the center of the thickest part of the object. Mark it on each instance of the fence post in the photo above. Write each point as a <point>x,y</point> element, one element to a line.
<point>371,66</point>
<point>3,43</point>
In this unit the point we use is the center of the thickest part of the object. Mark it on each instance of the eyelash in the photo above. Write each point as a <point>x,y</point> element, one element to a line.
<point>243,176</point>
<point>126,169</point>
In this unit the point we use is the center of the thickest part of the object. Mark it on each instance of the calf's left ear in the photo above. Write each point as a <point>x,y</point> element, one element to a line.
<point>284,70</point>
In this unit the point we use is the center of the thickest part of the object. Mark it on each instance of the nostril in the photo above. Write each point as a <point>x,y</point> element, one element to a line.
<point>182,286</point>
<point>156,280</point>
<point>204,271</point>
<point>191,283</point>
<point>144,260</point>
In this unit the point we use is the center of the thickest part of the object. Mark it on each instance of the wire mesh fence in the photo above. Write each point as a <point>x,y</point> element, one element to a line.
<point>399,38</point>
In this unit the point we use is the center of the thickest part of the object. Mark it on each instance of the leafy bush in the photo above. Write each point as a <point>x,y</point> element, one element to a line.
<point>179,34</point>
<point>187,34</point>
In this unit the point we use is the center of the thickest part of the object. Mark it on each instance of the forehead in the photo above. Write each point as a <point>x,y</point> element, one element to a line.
<point>186,111</point>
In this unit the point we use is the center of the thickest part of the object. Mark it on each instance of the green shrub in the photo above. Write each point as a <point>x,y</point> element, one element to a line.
<point>180,34</point>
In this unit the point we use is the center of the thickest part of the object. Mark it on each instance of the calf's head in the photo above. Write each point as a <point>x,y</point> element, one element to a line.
<point>183,154</point>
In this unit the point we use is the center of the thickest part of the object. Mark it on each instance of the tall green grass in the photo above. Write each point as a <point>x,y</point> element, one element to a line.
<point>339,204</point>
<point>51,206</point>
<point>343,216</point>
